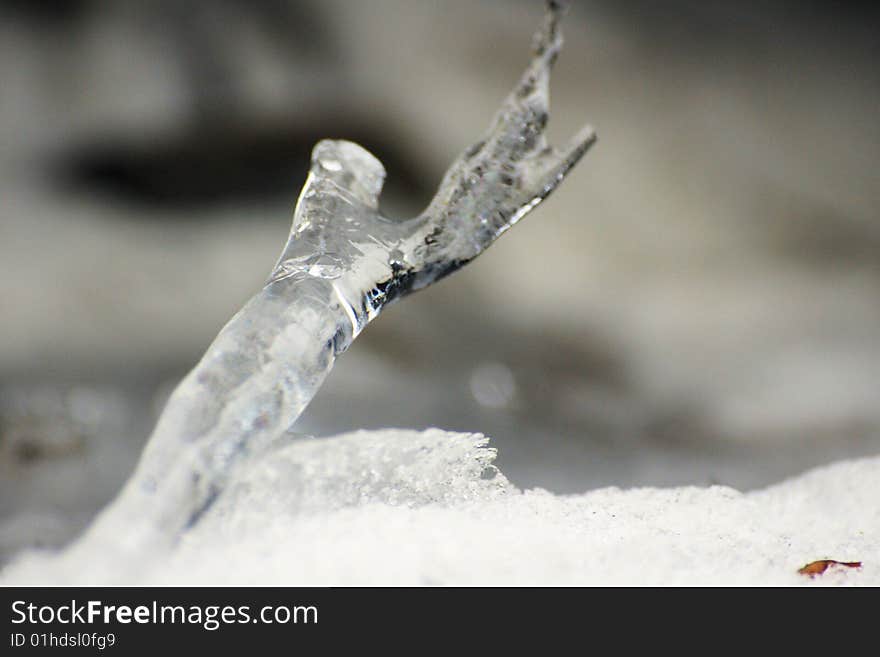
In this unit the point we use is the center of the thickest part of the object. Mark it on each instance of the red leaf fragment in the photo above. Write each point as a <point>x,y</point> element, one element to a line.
<point>818,567</point>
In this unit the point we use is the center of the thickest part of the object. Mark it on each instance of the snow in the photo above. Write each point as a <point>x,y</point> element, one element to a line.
<point>402,507</point>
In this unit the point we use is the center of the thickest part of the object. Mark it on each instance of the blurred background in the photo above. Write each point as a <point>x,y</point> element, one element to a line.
<point>698,302</point>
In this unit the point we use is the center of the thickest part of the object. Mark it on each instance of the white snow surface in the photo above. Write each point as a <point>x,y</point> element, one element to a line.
<point>403,507</point>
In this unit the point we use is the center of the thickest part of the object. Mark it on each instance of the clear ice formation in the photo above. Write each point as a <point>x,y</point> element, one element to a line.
<point>342,264</point>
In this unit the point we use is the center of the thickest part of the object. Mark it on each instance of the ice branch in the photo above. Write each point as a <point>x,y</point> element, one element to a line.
<point>342,263</point>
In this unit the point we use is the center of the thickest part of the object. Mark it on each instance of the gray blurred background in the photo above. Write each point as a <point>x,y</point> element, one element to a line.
<point>697,304</point>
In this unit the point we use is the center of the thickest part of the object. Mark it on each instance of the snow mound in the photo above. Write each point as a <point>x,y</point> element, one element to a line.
<point>405,507</point>
<point>394,467</point>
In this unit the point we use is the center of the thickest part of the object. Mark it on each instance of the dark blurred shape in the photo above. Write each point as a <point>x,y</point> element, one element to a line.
<point>716,23</point>
<point>218,164</point>
<point>47,13</point>
<point>223,150</point>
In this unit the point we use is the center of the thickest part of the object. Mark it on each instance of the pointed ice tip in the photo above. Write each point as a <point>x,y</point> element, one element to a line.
<point>548,39</point>
<point>578,145</point>
<point>557,7</point>
<point>586,136</point>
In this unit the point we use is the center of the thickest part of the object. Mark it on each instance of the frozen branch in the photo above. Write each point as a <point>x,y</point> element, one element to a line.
<point>341,265</point>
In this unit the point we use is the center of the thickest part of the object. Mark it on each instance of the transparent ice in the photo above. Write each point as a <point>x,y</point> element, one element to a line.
<point>342,263</point>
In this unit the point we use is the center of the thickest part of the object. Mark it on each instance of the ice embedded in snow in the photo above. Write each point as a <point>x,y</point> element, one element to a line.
<point>407,507</point>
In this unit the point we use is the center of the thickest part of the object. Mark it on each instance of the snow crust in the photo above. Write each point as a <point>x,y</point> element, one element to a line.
<point>401,507</point>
